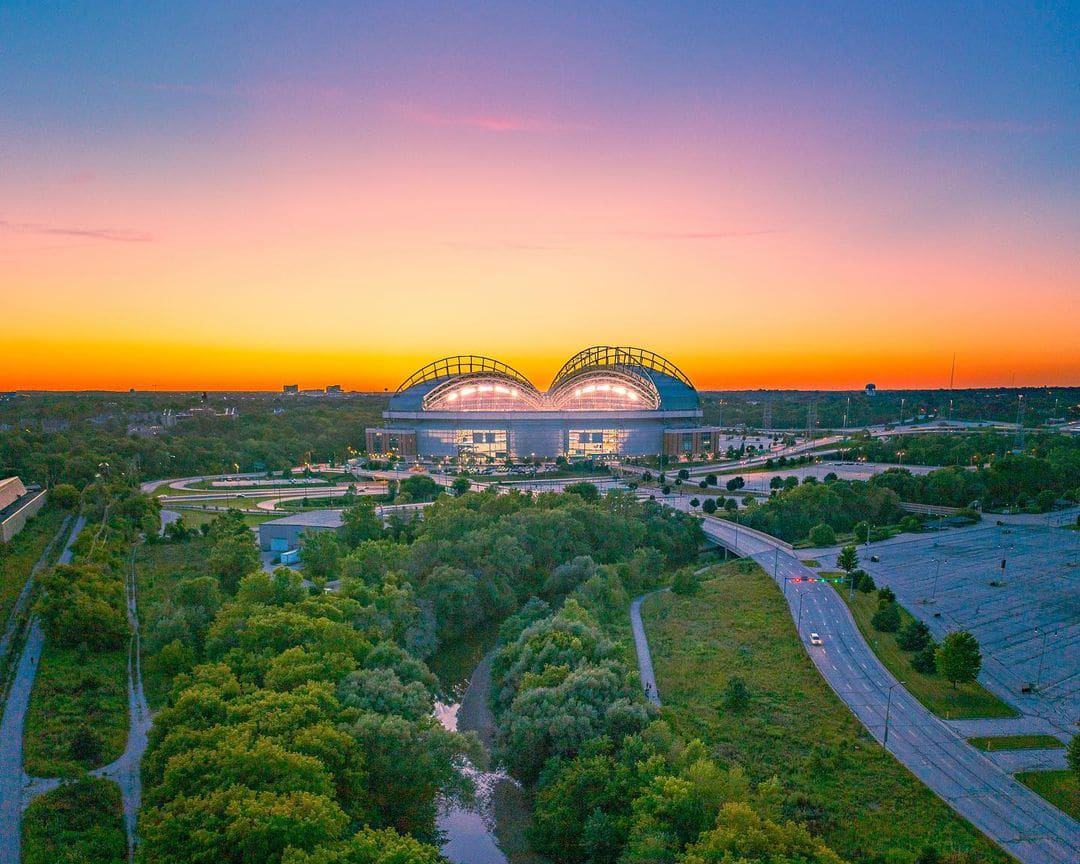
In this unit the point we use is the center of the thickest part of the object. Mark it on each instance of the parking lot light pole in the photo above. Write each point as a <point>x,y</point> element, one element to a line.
<point>888,708</point>
<point>937,572</point>
<point>1042,655</point>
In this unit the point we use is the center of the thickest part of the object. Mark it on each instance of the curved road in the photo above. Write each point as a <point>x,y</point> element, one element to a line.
<point>979,788</point>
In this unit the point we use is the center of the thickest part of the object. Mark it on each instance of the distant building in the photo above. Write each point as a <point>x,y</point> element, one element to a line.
<point>606,401</point>
<point>278,535</point>
<point>290,389</point>
<point>17,505</point>
<point>334,390</point>
<point>871,389</point>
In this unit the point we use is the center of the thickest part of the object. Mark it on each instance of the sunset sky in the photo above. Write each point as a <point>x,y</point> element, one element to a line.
<point>806,195</point>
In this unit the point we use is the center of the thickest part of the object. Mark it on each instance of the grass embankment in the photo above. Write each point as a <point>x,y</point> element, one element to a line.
<point>1060,788</point>
<point>992,743</point>
<point>78,823</point>
<point>939,696</point>
<point>18,557</point>
<point>77,719</point>
<point>839,781</point>
<point>158,567</point>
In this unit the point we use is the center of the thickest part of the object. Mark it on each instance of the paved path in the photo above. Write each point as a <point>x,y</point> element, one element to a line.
<point>125,770</point>
<point>641,646</point>
<point>24,594</point>
<point>975,786</point>
<point>15,787</point>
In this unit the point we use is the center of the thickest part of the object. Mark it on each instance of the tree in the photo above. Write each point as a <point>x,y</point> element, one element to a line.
<point>233,557</point>
<point>64,495</point>
<point>776,482</point>
<point>822,535</point>
<point>587,491</point>
<point>885,595</point>
<point>741,835</point>
<point>958,657</point>
<point>925,659</point>
<point>1072,754</point>
<point>710,505</point>
<point>683,474</point>
<point>735,483</point>
<point>461,485</point>
<point>321,554</point>
<point>848,559</point>
<point>914,637</point>
<point>710,479</point>
<point>359,523</point>
<point>694,502</point>
<point>886,618</point>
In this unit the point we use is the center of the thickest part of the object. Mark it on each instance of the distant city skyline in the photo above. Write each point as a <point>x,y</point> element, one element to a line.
<point>194,197</point>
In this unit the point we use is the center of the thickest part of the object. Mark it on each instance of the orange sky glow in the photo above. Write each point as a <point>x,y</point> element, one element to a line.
<point>244,236</point>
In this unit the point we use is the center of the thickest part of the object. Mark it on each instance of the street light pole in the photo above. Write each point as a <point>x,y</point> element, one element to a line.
<point>798,625</point>
<point>888,707</point>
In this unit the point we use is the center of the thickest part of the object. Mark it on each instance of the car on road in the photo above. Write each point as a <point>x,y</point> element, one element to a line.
<point>815,639</point>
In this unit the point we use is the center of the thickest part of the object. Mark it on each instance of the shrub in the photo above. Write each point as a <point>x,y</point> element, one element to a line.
<point>709,506</point>
<point>887,618</point>
<point>822,535</point>
<point>710,479</point>
<point>694,502</point>
<point>910,524</point>
<point>1072,754</point>
<point>686,581</point>
<point>736,695</point>
<point>885,595</point>
<point>735,483</point>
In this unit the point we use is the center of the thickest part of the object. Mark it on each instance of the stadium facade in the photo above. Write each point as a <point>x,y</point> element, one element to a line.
<point>605,402</point>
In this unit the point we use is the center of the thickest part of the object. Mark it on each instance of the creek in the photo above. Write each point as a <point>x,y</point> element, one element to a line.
<point>478,831</point>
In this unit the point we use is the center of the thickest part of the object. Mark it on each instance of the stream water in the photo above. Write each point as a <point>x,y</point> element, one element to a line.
<point>470,829</point>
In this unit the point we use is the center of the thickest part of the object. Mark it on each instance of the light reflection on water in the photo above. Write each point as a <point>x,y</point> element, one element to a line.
<point>469,827</point>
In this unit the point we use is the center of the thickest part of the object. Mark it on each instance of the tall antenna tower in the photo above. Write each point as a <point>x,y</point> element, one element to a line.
<point>1020,423</point>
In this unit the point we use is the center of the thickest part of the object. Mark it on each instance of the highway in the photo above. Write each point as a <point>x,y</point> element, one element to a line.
<point>977,787</point>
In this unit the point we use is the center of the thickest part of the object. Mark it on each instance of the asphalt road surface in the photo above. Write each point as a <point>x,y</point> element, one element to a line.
<point>973,784</point>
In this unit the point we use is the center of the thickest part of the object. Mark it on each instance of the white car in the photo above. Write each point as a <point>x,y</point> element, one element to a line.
<point>815,639</point>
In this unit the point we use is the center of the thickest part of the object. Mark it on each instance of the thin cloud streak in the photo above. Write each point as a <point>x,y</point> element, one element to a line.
<point>109,234</point>
<point>487,122</point>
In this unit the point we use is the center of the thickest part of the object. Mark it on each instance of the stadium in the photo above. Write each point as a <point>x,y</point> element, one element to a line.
<point>605,402</point>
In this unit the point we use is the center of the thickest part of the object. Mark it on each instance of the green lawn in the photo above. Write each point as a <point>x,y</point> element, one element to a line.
<point>938,695</point>
<point>197,518</point>
<point>18,557</point>
<point>78,823</point>
<point>1016,742</point>
<point>839,781</point>
<point>1060,788</point>
<point>158,568</point>
<point>75,690</point>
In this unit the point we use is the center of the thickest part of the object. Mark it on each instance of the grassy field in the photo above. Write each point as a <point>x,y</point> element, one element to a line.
<point>78,823</point>
<point>839,781</point>
<point>18,557</point>
<point>1016,742</point>
<point>158,568</point>
<point>75,691</point>
<point>937,694</point>
<point>1060,788</point>
<point>198,518</point>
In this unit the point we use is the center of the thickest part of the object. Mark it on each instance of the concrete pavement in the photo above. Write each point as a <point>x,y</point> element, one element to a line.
<point>641,647</point>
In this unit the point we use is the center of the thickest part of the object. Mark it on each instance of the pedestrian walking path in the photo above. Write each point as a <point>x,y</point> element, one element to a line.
<point>641,646</point>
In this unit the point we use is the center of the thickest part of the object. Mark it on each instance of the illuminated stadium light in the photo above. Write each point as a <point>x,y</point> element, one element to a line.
<point>604,402</point>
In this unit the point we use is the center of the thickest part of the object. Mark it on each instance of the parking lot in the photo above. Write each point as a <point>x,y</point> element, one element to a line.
<point>1026,617</point>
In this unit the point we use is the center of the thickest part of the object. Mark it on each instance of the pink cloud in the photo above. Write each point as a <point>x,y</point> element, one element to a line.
<point>111,234</point>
